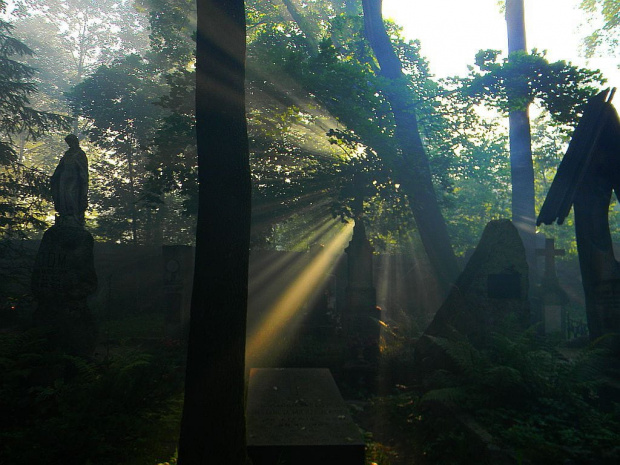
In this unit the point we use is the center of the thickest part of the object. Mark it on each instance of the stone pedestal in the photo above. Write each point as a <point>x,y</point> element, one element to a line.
<point>553,302</point>
<point>62,279</point>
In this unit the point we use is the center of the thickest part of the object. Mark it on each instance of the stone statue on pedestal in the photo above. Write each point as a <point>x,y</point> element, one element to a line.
<point>64,272</point>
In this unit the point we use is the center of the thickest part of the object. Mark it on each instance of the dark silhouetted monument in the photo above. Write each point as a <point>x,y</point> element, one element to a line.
<point>361,317</point>
<point>64,272</point>
<point>490,295</point>
<point>585,179</point>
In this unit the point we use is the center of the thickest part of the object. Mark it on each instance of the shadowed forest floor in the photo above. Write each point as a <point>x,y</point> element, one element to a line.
<point>522,401</point>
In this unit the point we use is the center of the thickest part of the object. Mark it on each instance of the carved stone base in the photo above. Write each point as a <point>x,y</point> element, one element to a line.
<point>62,279</point>
<point>71,326</point>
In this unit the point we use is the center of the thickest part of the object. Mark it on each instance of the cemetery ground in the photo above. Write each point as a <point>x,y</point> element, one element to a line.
<point>522,398</point>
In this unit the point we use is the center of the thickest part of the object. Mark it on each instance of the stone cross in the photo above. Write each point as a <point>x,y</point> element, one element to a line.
<point>550,252</point>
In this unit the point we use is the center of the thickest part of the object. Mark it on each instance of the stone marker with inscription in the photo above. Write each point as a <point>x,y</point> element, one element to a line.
<point>297,416</point>
<point>64,272</point>
<point>491,293</point>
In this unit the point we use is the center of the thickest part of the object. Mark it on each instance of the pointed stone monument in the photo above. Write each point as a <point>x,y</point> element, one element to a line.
<point>490,295</point>
<point>361,317</point>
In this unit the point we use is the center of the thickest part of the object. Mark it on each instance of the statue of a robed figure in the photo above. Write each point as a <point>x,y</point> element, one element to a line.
<point>64,272</point>
<point>586,178</point>
<point>70,184</point>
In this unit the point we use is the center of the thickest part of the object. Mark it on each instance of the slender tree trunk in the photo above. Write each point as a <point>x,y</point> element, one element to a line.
<point>310,30</point>
<point>521,165</point>
<point>22,146</point>
<point>414,173</point>
<point>213,424</point>
<point>132,192</point>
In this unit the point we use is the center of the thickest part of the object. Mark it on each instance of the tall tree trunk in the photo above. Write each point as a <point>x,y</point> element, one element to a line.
<point>521,165</point>
<point>22,146</point>
<point>213,424</point>
<point>309,29</point>
<point>132,192</point>
<point>414,173</point>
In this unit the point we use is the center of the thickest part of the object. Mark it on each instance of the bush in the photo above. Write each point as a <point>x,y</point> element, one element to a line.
<point>519,395</point>
<point>60,409</point>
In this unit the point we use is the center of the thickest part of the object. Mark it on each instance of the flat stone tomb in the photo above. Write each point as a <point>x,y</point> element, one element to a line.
<point>297,416</point>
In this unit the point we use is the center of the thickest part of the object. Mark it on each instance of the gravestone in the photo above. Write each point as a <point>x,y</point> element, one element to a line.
<point>178,264</point>
<point>297,416</point>
<point>64,273</point>
<point>490,293</point>
<point>361,315</point>
<point>552,297</point>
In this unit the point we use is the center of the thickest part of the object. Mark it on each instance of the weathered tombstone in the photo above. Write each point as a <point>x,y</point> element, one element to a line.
<point>552,297</point>
<point>585,179</point>
<point>491,292</point>
<point>178,263</point>
<point>64,272</point>
<point>297,416</point>
<point>361,315</point>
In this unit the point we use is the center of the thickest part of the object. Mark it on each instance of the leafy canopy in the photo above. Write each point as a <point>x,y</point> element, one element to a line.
<point>20,188</point>
<point>559,87</point>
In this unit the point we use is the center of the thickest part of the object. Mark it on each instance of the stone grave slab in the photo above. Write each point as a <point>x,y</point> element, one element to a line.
<point>297,416</point>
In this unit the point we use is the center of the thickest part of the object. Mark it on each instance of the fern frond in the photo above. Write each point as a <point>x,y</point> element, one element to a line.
<point>449,396</point>
<point>465,356</point>
<point>503,377</point>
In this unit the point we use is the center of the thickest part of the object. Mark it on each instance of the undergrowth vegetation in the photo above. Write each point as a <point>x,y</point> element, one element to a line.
<point>520,398</point>
<point>60,409</point>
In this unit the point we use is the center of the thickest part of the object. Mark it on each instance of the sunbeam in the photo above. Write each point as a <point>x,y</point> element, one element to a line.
<point>279,321</point>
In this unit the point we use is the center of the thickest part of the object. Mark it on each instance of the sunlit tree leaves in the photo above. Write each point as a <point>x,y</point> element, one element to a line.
<point>21,188</point>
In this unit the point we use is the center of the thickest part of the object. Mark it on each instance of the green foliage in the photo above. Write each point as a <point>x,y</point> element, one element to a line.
<point>344,80</point>
<point>512,84</point>
<point>607,34</point>
<point>89,32</point>
<point>528,396</point>
<point>63,409</point>
<point>172,27</point>
<point>119,101</point>
<point>17,87</point>
<point>21,188</point>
